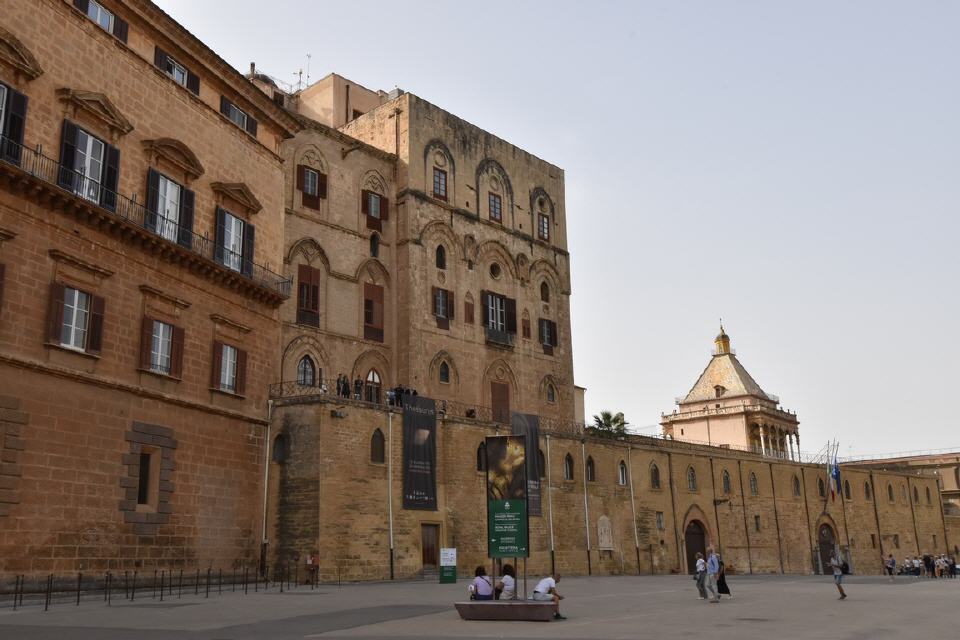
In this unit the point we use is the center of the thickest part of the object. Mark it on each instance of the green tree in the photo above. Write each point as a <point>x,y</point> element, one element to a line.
<point>608,425</point>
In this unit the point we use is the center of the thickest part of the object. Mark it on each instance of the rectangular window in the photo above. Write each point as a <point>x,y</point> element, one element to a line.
<point>76,313</point>
<point>440,183</point>
<point>232,241</point>
<point>237,116</point>
<point>660,524</point>
<point>373,205</point>
<point>497,312</point>
<point>101,16</point>
<point>228,369</point>
<point>756,522</point>
<point>168,208</point>
<point>308,295</point>
<point>177,71</point>
<point>161,347</point>
<point>496,207</point>
<point>88,165</point>
<point>372,312</point>
<point>546,335</point>
<point>311,182</point>
<point>440,303</point>
<point>143,484</point>
<point>543,226</point>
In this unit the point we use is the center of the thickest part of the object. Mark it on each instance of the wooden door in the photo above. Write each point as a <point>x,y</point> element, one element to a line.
<point>430,546</point>
<point>500,401</point>
<point>827,542</point>
<point>695,540</point>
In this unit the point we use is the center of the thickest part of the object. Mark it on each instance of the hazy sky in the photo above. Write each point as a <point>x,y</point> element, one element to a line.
<point>789,166</point>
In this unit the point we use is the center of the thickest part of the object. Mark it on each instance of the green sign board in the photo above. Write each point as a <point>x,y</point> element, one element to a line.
<point>448,565</point>
<point>507,528</point>
<point>448,575</point>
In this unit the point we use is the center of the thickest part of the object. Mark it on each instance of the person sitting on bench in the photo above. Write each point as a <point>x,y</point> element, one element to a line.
<point>482,585</point>
<point>546,591</point>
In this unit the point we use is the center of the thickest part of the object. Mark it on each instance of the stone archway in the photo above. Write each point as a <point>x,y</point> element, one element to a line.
<point>695,541</point>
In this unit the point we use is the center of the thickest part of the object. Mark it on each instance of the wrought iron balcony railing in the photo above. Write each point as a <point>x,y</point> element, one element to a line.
<point>498,337</point>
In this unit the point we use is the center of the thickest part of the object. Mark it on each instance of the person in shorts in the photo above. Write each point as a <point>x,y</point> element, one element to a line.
<point>546,591</point>
<point>837,565</point>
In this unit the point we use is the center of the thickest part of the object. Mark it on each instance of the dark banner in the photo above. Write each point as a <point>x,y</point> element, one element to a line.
<point>419,453</point>
<point>507,524</point>
<point>527,425</point>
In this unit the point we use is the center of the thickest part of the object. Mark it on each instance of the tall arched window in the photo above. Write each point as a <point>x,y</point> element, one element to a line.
<point>441,257</point>
<point>821,488</point>
<point>568,467</point>
<point>551,393</point>
<point>928,496</point>
<point>622,473</point>
<point>890,495</point>
<point>543,463</point>
<point>371,389</point>
<point>754,487</point>
<point>306,372</point>
<point>846,490</point>
<point>444,373</point>
<point>374,245</point>
<point>867,493</point>
<point>654,476</point>
<point>482,457</point>
<point>726,481</point>
<point>544,292</point>
<point>591,470</point>
<point>796,486</point>
<point>691,479</point>
<point>377,447</point>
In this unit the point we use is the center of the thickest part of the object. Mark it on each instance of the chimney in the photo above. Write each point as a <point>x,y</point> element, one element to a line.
<point>253,69</point>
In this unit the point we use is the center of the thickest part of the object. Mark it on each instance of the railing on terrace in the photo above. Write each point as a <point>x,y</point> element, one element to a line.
<point>502,338</point>
<point>35,164</point>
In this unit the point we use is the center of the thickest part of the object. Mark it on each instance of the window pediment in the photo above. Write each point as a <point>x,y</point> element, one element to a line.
<point>98,106</point>
<point>17,56</point>
<point>239,193</point>
<point>177,153</point>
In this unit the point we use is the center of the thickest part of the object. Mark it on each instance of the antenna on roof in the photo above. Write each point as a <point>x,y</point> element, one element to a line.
<point>308,69</point>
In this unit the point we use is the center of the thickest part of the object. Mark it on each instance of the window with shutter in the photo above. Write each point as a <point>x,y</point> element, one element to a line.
<point>308,296</point>
<point>238,116</point>
<point>468,312</point>
<point>308,182</point>
<point>13,116</point>
<point>372,312</point>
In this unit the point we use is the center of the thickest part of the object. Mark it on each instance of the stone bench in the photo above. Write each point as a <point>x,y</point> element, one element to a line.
<point>506,610</point>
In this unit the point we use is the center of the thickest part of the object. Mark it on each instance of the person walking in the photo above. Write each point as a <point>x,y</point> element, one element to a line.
<point>837,565</point>
<point>713,570</point>
<point>701,575</point>
<point>891,565</point>
<point>722,587</point>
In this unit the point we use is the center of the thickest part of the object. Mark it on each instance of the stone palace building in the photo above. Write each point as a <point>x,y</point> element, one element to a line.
<point>194,262</point>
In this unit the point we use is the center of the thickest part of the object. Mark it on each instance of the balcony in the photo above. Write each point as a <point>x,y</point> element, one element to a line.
<point>46,180</point>
<point>499,338</point>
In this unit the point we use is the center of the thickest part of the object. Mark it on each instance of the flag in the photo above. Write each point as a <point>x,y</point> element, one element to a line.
<point>834,478</point>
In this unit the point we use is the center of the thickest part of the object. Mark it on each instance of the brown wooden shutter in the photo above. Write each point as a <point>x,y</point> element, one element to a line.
<point>55,313</point>
<point>241,383</point>
<point>540,331</point>
<point>511,306</point>
<point>555,335</point>
<point>322,185</point>
<point>146,341</point>
<point>451,305</point>
<point>225,106</point>
<point>120,28</point>
<point>434,301</point>
<point>193,83</point>
<point>217,364</point>
<point>384,209</point>
<point>176,353</point>
<point>365,202</point>
<point>301,176</point>
<point>160,59</point>
<point>251,126</point>
<point>378,307</point>
<point>468,312</point>
<point>95,334</point>
<point>1,284</point>
<point>303,287</point>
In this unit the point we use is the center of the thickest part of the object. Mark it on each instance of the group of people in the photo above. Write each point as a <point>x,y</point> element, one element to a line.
<point>928,566</point>
<point>359,390</point>
<point>711,576</point>
<point>484,587</point>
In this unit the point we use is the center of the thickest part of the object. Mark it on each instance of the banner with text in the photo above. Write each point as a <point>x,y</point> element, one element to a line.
<point>528,425</point>
<point>507,522</point>
<point>419,453</point>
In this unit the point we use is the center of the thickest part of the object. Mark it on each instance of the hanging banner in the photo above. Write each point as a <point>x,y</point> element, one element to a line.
<point>419,453</point>
<point>507,522</point>
<point>528,425</point>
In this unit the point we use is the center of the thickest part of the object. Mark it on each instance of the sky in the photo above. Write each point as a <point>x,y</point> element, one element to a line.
<point>789,167</point>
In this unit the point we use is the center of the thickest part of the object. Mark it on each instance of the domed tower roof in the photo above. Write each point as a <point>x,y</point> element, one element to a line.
<point>722,341</point>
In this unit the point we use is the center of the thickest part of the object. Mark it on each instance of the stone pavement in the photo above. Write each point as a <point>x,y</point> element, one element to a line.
<point>598,607</point>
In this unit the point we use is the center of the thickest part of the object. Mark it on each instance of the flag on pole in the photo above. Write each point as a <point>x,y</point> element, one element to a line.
<point>834,477</point>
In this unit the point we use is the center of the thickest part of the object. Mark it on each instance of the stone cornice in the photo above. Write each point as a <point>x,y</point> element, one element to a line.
<point>98,106</point>
<point>239,193</point>
<point>177,153</point>
<point>156,293</point>
<point>73,261</point>
<point>227,322</point>
<point>17,56</point>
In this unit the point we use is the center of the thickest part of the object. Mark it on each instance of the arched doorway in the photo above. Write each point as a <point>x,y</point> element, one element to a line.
<point>827,543</point>
<point>695,541</point>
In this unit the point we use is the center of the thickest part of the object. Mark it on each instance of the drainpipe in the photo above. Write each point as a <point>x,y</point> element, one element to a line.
<point>586,508</point>
<point>390,484</point>
<point>776,518</point>
<point>553,567</point>
<point>746,529</point>
<point>633,511</point>
<point>266,478</point>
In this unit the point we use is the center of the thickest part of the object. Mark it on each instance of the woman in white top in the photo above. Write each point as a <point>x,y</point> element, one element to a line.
<point>507,586</point>
<point>482,585</point>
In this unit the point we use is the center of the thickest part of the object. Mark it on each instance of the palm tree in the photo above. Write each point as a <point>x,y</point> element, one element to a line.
<point>609,425</point>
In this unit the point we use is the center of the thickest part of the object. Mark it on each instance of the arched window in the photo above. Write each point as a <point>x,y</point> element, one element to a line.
<point>374,245</point>
<point>726,481</point>
<point>544,292</point>
<point>821,488</point>
<point>376,447</point>
<point>691,479</point>
<point>654,476</point>
<point>796,486</point>
<point>482,457</point>
<point>754,487</point>
<point>306,372</point>
<point>280,449</point>
<point>846,490</point>
<point>928,496</point>
<point>441,257</point>
<point>890,493</point>
<point>916,496</point>
<point>371,389</point>
<point>568,467</point>
<point>591,470</point>
<point>543,463</point>
<point>867,492</point>
<point>444,373</point>
<point>551,393</point>
<point>622,473</point>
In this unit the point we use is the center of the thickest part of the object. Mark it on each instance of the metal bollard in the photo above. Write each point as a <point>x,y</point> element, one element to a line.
<point>245,584</point>
<point>180,585</point>
<point>196,583</point>
<point>133,587</point>
<point>16,591</point>
<point>79,580</point>
<point>46,603</point>
<point>208,582</point>
<point>163,575</point>
<point>219,580</point>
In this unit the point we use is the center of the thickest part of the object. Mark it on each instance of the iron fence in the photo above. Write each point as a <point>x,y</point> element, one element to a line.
<point>91,193</point>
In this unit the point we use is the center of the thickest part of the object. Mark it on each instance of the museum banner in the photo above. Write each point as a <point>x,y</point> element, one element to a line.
<point>507,522</point>
<point>528,425</point>
<point>419,453</point>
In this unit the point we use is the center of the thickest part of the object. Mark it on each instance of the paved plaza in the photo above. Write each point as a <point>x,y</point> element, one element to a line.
<point>597,607</point>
